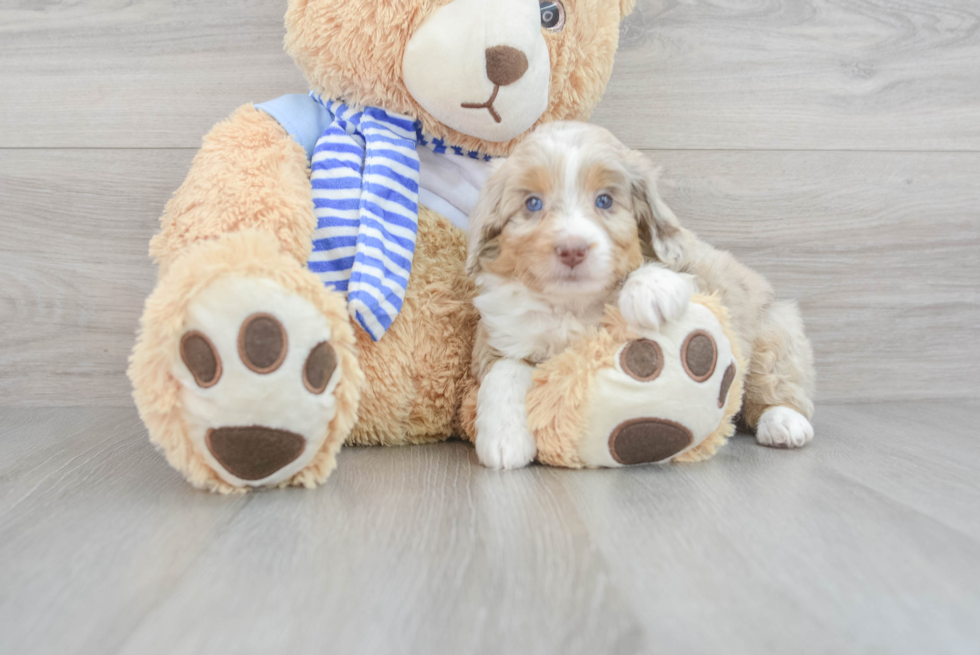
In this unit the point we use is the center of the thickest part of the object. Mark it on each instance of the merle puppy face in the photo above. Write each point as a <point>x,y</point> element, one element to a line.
<point>569,213</point>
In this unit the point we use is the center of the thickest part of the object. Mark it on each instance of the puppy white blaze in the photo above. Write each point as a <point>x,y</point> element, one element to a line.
<point>576,224</point>
<point>445,66</point>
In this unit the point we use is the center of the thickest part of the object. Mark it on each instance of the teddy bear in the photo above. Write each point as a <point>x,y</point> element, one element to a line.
<point>312,287</point>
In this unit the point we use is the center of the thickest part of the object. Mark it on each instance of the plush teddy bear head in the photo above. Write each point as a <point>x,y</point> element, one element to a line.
<point>479,73</point>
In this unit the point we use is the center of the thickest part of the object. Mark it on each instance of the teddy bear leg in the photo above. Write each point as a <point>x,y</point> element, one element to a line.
<point>627,396</point>
<point>780,381</point>
<point>244,371</point>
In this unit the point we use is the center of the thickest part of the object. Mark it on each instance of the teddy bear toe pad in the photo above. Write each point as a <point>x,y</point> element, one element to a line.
<point>665,395</point>
<point>257,374</point>
<point>201,359</point>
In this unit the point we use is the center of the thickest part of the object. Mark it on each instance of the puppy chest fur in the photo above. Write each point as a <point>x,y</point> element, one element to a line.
<point>520,323</point>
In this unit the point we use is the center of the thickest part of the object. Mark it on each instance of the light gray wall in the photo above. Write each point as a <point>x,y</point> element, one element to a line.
<point>835,147</point>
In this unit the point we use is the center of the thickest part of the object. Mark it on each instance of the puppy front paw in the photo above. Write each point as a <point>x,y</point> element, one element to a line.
<point>654,295</point>
<point>503,440</point>
<point>782,427</point>
<point>506,447</point>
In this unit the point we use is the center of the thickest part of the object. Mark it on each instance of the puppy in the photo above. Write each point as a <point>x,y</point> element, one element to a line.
<point>572,222</point>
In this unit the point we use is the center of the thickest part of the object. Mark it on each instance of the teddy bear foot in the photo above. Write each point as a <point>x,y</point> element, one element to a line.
<point>245,372</point>
<point>629,396</point>
<point>258,374</point>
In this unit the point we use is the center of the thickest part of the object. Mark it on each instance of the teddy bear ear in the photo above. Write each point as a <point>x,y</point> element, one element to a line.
<point>626,7</point>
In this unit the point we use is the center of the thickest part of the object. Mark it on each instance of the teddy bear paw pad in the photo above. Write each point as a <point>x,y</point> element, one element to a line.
<point>257,375</point>
<point>666,393</point>
<point>646,440</point>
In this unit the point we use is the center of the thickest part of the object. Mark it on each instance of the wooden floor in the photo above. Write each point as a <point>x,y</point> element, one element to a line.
<point>866,541</point>
<point>834,145</point>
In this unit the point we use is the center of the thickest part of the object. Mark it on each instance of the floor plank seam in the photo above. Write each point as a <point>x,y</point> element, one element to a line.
<point>885,498</point>
<point>165,594</point>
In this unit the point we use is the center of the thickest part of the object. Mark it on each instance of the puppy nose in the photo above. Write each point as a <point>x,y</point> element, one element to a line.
<point>572,253</point>
<point>505,65</point>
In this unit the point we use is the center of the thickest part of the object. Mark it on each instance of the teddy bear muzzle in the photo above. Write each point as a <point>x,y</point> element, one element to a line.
<point>505,44</point>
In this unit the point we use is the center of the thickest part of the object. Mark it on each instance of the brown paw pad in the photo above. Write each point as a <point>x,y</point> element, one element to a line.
<point>319,368</point>
<point>201,358</point>
<point>642,360</point>
<point>699,355</point>
<point>726,384</point>
<point>256,452</point>
<point>646,440</point>
<point>262,343</point>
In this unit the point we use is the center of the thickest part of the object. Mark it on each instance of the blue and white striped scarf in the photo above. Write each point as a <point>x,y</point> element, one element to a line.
<point>365,176</point>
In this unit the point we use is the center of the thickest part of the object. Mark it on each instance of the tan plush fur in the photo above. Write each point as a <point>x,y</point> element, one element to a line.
<point>354,51</point>
<point>248,174</point>
<point>248,253</point>
<point>417,373</point>
<point>558,404</point>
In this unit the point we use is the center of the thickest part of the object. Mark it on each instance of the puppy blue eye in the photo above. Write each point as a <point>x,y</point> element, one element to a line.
<point>534,204</point>
<point>604,201</point>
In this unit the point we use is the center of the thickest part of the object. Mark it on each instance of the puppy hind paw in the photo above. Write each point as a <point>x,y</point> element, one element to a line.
<point>782,427</point>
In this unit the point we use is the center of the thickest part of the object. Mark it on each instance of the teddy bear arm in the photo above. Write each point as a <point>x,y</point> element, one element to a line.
<point>248,174</point>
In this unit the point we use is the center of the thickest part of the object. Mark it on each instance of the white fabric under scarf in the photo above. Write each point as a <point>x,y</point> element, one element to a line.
<point>450,185</point>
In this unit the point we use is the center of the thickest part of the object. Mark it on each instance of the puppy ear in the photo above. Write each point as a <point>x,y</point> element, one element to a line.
<point>659,227</point>
<point>626,7</point>
<point>486,224</point>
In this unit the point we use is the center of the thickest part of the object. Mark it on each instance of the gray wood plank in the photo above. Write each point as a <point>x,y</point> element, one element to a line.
<point>764,550</point>
<point>923,457</point>
<point>74,269</point>
<point>94,529</point>
<point>409,546</point>
<point>799,74</point>
<point>881,249</point>
<point>149,73</point>
<point>804,74</point>
<point>846,546</point>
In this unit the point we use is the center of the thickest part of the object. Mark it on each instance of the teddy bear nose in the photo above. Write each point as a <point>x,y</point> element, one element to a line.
<point>505,65</point>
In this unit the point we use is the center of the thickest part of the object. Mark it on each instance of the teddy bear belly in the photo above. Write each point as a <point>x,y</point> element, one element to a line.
<point>418,372</point>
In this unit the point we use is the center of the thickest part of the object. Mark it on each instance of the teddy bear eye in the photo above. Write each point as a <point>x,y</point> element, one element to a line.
<point>604,201</point>
<point>534,204</point>
<point>552,15</point>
